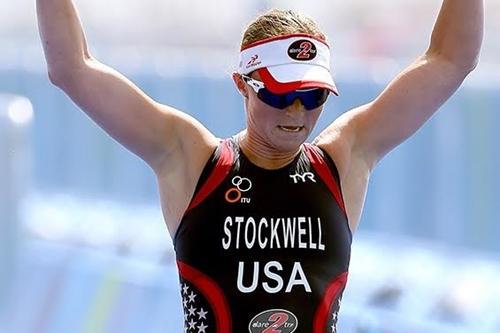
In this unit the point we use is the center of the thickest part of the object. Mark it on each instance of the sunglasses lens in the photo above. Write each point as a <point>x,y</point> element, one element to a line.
<point>278,101</point>
<point>311,99</point>
<point>315,98</point>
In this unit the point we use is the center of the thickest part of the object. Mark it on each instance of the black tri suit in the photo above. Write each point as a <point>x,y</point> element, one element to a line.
<point>264,251</point>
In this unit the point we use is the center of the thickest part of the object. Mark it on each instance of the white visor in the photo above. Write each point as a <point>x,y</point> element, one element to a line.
<point>290,62</point>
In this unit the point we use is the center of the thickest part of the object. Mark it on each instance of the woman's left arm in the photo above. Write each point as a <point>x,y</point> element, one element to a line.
<point>372,130</point>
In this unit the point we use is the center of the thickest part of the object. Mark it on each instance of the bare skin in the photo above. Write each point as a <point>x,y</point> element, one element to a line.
<point>176,146</point>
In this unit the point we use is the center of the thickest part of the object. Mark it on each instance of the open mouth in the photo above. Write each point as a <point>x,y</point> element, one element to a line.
<point>291,128</point>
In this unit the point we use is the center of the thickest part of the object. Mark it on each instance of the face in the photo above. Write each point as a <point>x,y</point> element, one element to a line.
<point>282,130</point>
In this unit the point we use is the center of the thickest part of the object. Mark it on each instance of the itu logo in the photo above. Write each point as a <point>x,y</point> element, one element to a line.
<point>235,194</point>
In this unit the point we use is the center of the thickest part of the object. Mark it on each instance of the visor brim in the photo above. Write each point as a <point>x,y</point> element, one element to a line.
<point>286,78</point>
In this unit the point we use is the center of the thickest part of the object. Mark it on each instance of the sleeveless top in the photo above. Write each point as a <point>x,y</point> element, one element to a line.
<point>264,251</point>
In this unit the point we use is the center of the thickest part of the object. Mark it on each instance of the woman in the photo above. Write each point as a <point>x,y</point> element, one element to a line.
<point>261,221</point>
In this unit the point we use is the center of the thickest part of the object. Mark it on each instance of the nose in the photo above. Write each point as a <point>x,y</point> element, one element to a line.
<point>295,107</point>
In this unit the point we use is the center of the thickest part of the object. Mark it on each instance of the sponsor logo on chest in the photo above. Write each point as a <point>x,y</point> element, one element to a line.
<point>272,321</point>
<point>303,177</point>
<point>238,193</point>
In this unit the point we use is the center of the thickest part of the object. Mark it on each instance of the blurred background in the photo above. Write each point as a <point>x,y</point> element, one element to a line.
<point>83,245</point>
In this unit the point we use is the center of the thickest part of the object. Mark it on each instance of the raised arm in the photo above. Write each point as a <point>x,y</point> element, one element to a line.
<point>372,130</point>
<point>159,134</point>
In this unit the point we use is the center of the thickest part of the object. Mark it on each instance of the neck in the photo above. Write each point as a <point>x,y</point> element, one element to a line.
<point>262,154</point>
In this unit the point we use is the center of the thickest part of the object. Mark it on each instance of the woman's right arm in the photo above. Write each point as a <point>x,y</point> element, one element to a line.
<point>162,136</point>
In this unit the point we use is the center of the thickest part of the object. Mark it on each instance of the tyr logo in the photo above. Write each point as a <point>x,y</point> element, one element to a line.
<point>304,177</point>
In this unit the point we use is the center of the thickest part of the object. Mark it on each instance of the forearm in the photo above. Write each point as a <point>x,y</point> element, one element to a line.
<point>458,32</point>
<point>62,36</point>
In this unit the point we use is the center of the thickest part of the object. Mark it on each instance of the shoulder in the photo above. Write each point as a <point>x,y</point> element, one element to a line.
<point>341,140</point>
<point>332,142</point>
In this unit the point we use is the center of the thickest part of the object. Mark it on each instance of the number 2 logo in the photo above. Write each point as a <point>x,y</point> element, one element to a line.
<point>274,321</point>
<point>305,48</point>
<point>279,319</point>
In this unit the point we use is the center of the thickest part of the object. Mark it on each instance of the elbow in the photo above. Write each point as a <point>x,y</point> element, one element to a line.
<point>54,77</point>
<point>473,64</point>
<point>466,67</point>
<point>63,77</point>
<point>460,64</point>
<point>465,62</point>
<point>63,73</point>
<point>58,76</point>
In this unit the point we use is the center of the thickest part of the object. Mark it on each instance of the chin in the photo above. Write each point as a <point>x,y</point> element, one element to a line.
<point>290,147</point>
<point>289,143</point>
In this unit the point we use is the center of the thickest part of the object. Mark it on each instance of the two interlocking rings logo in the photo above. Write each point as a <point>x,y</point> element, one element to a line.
<point>241,184</point>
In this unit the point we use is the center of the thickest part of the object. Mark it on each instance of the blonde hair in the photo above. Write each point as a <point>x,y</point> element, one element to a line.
<point>279,22</point>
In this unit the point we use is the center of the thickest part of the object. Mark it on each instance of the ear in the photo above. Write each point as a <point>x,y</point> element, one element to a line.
<point>240,84</point>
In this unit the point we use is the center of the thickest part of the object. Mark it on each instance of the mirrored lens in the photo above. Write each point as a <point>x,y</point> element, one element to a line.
<point>311,99</point>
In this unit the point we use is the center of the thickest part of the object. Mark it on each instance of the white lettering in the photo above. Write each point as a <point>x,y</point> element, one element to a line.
<point>294,177</point>
<point>289,232</point>
<point>250,222</point>
<point>273,272</point>
<point>312,245</point>
<point>274,233</point>
<point>302,232</point>
<point>241,271</point>
<point>321,246</point>
<point>308,175</point>
<point>239,232</point>
<point>273,276</point>
<point>239,220</point>
<point>297,269</point>
<point>261,223</point>
<point>225,244</point>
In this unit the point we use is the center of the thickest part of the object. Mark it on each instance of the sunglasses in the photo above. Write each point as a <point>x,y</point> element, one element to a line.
<point>310,98</point>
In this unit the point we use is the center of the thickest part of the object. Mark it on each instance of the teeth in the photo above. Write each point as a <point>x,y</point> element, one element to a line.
<point>291,128</point>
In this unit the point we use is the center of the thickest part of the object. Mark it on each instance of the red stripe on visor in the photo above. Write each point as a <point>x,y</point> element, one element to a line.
<point>278,87</point>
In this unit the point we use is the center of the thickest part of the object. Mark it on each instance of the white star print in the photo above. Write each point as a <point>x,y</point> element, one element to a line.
<point>185,289</point>
<point>191,310</point>
<point>202,314</point>
<point>195,317</point>
<point>191,297</point>
<point>201,328</point>
<point>192,324</point>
